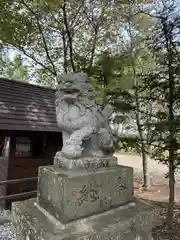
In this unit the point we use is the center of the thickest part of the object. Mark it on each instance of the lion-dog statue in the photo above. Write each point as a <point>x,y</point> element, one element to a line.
<point>85,127</point>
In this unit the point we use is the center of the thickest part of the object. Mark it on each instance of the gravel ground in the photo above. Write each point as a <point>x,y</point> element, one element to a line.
<point>7,232</point>
<point>161,233</point>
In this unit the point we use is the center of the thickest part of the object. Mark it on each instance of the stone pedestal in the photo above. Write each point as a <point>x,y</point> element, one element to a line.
<point>79,204</point>
<point>132,221</point>
<point>70,195</point>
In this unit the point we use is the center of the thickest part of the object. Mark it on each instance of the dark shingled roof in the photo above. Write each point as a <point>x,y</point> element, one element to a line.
<point>26,107</point>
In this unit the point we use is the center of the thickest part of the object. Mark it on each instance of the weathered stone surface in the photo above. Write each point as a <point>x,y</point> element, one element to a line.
<point>130,222</point>
<point>69,195</point>
<point>86,163</point>
<point>85,127</point>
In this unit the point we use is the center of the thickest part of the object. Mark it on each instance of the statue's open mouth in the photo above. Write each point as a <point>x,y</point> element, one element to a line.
<point>70,91</point>
<point>70,94</point>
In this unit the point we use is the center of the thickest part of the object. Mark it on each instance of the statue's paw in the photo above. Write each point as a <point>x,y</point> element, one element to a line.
<point>98,153</point>
<point>57,158</point>
<point>76,142</point>
<point>72,151</point>
<point>57,153</point>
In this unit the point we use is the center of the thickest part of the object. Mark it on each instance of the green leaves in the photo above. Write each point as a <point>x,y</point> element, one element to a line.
<point>63,35</point>
<point>14,69</point>
<point>14,24</point>
<point>51,5</point>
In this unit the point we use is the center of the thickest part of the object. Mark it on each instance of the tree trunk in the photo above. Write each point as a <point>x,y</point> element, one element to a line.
<point>69,36</point>
<point>169,220</point>
<point>65,64</point>
<point>93,52</point>
<point>172,125</point>
<point>146,179</point>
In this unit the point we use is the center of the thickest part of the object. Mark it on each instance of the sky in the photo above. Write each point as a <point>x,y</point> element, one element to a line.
<point>12,53</point>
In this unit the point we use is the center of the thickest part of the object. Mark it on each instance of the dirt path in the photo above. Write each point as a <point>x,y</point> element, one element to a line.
<point>155,168</point>
<point>159,190</point>
<point>135,161</point>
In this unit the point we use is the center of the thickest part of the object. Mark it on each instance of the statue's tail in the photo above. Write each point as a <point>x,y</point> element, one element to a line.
<point>107,142</point>
<point>107,111</point>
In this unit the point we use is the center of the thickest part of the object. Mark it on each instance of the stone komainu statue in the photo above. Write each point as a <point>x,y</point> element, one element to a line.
<point>85,127</point>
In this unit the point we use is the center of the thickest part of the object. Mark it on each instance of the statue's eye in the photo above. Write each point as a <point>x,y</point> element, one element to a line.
<point>57,102</point>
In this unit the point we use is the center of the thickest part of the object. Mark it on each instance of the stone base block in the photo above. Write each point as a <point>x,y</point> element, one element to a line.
<point>70,195</point>
<point>133,221</point>
<point>85,163</point>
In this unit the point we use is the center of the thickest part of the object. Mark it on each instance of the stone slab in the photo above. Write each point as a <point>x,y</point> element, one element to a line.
<point>85,163</point>
<point>70,195</point>
<point>129,222</point>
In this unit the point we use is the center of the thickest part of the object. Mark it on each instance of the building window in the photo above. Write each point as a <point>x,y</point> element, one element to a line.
<point>23,147</point>
<point>30,147</point>
<point>38,146</point>
<point>2,143</point>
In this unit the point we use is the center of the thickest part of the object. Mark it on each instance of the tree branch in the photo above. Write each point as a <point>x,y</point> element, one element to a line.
<point>65,52</point>
<point>42,34</point>
<point>77,12</point>
<point>33,58</point>
<point>69,36</point>
<point>93,51</point>
<point>21,49</point>
<point>96,26</point>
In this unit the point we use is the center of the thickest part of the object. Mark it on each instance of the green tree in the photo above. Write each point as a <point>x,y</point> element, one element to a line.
<point>14,69</point>
<point>118,80</point>
<point>162,87</point>
<point>58,36</point>
<point>140,63</point>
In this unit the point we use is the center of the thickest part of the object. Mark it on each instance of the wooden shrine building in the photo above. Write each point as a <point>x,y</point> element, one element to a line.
<point>29,136</point>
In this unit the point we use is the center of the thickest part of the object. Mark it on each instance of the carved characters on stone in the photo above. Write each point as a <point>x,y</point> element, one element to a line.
<point>120,186</point>
<point>85,127</point>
